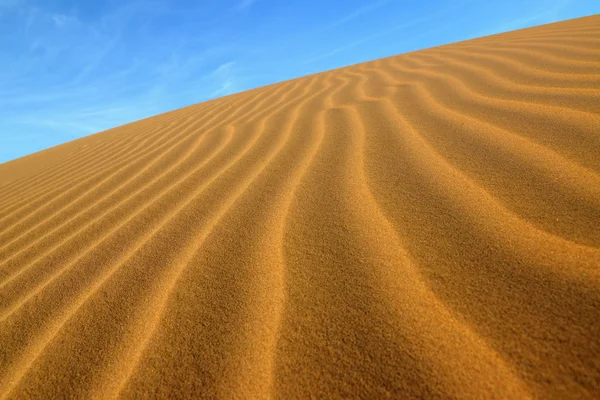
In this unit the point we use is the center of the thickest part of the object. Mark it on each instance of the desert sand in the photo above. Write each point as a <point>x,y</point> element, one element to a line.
<point>421,226</point>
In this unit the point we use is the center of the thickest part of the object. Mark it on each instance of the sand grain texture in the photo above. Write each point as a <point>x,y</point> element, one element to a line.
<point>421,226</point>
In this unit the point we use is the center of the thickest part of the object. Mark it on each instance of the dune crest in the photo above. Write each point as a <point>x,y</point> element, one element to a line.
<point>425,225</point>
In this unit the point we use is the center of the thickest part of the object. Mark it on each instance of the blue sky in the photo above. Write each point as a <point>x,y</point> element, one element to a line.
<point>71,68</point>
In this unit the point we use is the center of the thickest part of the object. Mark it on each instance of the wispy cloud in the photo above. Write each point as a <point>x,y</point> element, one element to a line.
<point>70,68</point>
<point>223,90</point>
<point>245,4</point>
<point>225,74</point>
<point>223,68</point>
<point>82,74</point>
<point>62,20</point>
<point>357,13</point>
<point>399,27</point>
<point>540,13</point>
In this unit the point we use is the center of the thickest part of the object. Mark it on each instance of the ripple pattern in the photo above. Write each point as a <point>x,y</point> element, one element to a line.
<point>421,226</point>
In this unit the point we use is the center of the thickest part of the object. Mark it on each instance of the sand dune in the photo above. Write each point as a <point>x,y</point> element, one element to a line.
<point>426,225</point>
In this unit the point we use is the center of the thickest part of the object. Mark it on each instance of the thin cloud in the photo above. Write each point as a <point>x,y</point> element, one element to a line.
<point>75,70</point>
<point>357,13</point>
<point>224,67</point>
<point>245,4</point>
<point>545,13</point>
<point>396,28</point>
<point>225,75</point>
<point>61,74</point>
<point>63,20</point>
<point>225,89</point>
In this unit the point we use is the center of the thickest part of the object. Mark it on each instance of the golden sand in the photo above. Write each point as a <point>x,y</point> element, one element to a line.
<point>425,225</point>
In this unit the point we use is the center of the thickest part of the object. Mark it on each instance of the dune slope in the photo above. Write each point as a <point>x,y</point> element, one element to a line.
<point>421,226</point>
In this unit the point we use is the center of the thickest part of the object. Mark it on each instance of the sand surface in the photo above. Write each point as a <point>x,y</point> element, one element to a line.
<point>421,226</point>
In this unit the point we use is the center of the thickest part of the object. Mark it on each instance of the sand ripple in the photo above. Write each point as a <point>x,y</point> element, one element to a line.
<point>426,225</point>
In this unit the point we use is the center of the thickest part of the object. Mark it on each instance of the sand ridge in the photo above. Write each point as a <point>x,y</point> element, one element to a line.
<point>425,225</point>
